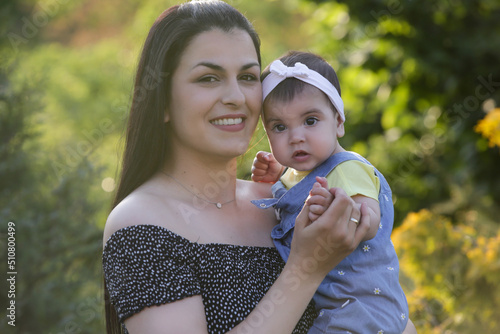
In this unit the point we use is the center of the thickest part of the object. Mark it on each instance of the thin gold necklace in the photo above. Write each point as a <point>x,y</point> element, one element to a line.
<point>218,205</point>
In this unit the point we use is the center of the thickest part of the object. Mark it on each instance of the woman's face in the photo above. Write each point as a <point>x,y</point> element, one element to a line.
<point>216,95</point>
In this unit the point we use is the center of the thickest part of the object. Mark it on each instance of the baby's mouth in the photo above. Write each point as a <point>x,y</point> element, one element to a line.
<point>299,154</point>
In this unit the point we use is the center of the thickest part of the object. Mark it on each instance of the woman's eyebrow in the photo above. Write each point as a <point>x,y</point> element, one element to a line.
<point>247,66</point>
<point>209,65</point>
<point>220,68</point>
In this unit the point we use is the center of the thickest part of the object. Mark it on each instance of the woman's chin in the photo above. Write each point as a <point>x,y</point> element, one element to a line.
<point>236,150</point>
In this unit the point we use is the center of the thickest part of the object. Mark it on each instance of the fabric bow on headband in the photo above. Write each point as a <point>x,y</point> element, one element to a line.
<point>280,72</point>
<point>299,70</point>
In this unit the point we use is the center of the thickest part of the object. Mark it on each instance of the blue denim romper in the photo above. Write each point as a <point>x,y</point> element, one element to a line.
<point>361,294</point>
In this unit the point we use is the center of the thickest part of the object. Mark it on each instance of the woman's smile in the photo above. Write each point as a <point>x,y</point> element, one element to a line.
<point>229,123</point>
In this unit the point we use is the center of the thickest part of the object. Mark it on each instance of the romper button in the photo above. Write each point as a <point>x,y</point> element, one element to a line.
<point>262,205</point>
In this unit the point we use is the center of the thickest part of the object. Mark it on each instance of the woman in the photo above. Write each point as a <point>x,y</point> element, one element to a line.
<point>185,251</point>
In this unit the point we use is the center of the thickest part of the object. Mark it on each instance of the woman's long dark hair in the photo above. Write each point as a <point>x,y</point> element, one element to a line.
<point>146,146</point>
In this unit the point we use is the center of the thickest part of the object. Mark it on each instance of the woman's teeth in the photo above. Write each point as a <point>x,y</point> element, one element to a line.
<point>227,121</point>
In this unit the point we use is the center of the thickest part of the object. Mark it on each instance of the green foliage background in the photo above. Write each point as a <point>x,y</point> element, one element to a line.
<point>416,78</point>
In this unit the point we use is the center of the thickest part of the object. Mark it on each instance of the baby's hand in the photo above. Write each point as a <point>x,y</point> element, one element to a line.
<point>266,168</point>
<point>319,198</point>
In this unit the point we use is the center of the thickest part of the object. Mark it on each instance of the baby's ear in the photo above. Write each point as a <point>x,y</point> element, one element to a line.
<point>340,126</point>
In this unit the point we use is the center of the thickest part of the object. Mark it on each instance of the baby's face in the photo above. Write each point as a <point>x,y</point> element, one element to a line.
<point>303,132</point>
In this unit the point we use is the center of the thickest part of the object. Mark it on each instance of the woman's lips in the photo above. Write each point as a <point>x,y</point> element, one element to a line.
<point>231,124</point>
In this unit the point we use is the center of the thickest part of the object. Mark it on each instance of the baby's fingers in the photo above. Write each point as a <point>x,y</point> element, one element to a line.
<point>259,167</point>
<point>318,190</point>
<point>317,210</point>
<point>318,200</point>
<point>322,181</point>
<point>263,157</point>
<point>313,216</point>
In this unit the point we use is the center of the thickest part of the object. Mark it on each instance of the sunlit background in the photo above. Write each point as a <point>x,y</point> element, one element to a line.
<point>421,85</point>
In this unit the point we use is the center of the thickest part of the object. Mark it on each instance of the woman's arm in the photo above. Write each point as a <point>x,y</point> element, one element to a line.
<point>184,316</point>
<point>316,249</point>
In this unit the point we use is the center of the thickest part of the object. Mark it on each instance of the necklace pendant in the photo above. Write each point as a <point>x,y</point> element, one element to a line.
<point>218,205</point>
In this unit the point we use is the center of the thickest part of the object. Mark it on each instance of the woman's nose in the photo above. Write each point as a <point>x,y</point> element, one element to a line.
<point>233,94</point>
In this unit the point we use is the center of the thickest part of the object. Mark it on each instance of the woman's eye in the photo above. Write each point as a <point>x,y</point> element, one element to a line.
<point>208,78</point>
<point>311,121</point>
<point>248,77</point>
<point>279,128</point>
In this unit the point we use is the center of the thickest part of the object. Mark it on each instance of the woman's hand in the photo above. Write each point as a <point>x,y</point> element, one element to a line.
<point>319,246</point>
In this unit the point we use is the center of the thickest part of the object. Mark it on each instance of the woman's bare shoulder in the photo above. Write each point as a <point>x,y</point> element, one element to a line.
<point>142,206</point>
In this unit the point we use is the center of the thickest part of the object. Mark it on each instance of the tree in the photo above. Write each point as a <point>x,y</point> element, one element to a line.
<point>57,241</point>
<point>54,238</point>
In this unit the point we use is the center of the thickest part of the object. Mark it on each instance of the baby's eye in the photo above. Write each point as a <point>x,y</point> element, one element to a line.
<point>279,128</point>
<point>311,121</point>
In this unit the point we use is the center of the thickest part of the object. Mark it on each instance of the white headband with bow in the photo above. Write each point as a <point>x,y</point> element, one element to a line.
<point>279,72</point>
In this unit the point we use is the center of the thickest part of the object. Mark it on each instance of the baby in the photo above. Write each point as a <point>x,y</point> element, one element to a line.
<point>303,115</point>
